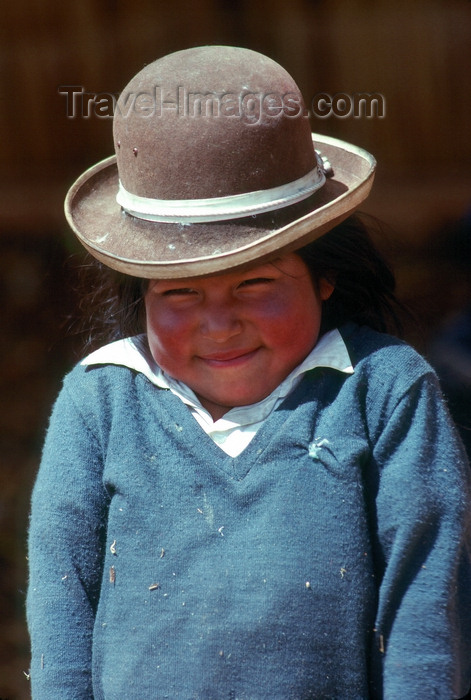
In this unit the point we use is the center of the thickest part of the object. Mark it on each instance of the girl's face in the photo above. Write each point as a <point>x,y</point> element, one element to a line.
<point>233,337</point>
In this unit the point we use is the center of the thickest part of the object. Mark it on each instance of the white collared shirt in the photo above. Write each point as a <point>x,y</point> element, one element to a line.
<point>233,432</point>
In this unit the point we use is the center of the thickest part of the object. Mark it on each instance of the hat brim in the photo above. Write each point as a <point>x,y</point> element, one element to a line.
<point>168,250</point>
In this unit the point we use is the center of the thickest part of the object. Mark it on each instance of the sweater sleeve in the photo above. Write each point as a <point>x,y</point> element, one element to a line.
<point>67,531</point>
<point>423,514</point>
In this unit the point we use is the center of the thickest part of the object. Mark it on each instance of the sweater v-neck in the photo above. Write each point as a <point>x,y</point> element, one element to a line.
<point>238,467</point>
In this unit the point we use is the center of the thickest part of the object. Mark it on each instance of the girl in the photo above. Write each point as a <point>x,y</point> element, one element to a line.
<point>254,492</point>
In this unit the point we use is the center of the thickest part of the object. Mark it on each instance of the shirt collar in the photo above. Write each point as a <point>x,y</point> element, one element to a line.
<point>330,351</point>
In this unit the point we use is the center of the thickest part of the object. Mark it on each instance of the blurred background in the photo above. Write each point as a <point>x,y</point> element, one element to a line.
<point>417,55</point>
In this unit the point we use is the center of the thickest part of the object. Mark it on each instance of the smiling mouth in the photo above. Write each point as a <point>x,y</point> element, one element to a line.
<point>228,359</point>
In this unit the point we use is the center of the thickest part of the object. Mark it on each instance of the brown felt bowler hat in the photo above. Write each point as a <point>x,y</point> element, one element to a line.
<point>215,168</point>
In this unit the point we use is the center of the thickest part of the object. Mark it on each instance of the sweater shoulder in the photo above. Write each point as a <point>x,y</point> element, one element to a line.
<point>105,378</point>
<point>374,351</point>
<point>99,392</point>
<point>388,374</point>
<point>386,368</point>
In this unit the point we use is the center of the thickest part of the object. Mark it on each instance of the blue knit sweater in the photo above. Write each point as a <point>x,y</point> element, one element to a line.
<point>328,560</point>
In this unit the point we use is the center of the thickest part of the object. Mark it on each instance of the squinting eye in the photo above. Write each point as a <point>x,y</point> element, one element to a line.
<point>176,292</point>
<point>255,281</point>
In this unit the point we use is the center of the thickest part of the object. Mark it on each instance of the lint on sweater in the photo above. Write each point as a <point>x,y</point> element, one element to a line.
<point>329,559</point>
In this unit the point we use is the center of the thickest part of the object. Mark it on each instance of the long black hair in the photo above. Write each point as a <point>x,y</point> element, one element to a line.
<point>364,283</point>
<point>113,303</point>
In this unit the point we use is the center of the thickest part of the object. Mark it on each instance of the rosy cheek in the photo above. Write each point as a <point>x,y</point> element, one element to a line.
<point>167,334</point>
<point>300,330</point>
<point>284,318</point>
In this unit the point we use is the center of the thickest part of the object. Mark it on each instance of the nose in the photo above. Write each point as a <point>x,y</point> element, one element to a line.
<point>220,322</point>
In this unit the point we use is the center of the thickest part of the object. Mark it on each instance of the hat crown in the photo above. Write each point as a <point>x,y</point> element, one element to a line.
<point>210,122</point>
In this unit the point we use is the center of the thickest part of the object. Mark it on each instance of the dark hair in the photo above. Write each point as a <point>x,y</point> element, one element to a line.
<point>113,303</point>
<point>364,284</point>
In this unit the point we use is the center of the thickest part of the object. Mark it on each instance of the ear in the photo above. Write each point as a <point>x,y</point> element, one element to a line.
<point>325,288</point>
